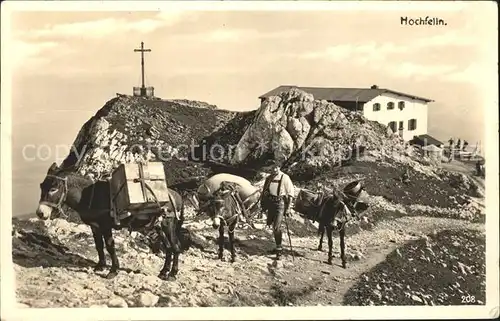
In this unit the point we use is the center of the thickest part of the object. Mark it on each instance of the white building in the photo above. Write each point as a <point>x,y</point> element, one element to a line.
<point>405,114</point>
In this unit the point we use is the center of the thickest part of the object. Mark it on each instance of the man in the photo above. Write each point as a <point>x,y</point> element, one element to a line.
<point>478,168</point>
<point>451,141</point>
<point>276,199</point>
<point>464,147</point>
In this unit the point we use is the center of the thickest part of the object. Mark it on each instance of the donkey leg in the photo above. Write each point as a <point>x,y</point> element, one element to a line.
<point>166,265</point>
<point>168,256</point>
<point>221,243</point>
<point>175,267</point>
<point>110,247</point>
<point>329,235</point>
<point>342,247</point>
<point>231,244</point>
<point>320,246</point>
<point>99,245</point>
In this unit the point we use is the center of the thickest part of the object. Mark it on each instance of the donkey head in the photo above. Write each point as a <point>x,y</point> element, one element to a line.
<point>352,195</point>
<point>221,203</point>
<point>54,190</point>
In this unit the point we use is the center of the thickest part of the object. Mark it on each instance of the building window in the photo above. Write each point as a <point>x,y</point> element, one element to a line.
<point>392,126</point>
<point>412,124</point>
<point>401,105</point>
<point>390,105</point>
<point>376,107</point>
<point>401,125</point>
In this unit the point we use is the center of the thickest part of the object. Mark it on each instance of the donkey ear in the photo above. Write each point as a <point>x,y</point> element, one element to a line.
<point>52,168</point>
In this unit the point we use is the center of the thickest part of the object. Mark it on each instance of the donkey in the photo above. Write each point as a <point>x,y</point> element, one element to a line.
<point>91,200</point>
<point>358,208</point>
<point>332,212</point>
<point>224,210</point>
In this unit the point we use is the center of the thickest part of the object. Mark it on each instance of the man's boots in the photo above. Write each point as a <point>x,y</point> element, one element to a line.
<point>279,249</point>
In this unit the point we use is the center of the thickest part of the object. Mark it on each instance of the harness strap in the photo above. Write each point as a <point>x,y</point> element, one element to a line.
<point>256,191</point>
<point>279,185</point>
<point>208,188</point>
<point>347,218</point>
<point>117,192</point>
<point>173,206</point>
<point>236,197</point>
<point>239,203</point>
<point>91,196</point>
<point>234,217</point>
<point>228,221</point>
<point>267,183</point>
<point>249,209</point>
<point>155,199</point>
<point>142,182</point>
<point>58,205</point>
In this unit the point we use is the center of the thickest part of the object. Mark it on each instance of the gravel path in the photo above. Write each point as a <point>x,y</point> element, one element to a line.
<point>51,276</point>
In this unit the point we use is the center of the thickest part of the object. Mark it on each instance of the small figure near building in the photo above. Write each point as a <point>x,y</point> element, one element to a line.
<point>478,168</point>
<point>465,145</point>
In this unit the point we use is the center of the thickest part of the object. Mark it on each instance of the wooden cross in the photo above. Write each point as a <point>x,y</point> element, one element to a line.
<point>142,51</point>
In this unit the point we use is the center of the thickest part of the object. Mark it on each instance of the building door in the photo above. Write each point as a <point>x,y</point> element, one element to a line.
<point>401,128</point>
<point>392,126</point>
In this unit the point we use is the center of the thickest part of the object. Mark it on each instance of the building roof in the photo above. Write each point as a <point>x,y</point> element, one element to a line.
<point>428,140</point>
<point>361,95</point>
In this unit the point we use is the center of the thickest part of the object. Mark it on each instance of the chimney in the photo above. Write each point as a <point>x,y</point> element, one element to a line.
<point>374,87</point>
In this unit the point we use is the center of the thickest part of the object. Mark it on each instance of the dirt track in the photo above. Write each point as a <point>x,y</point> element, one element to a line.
<point>67,278</point>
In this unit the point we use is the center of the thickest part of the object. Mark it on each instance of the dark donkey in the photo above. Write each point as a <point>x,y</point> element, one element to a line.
<point>224,210</point>
<point>91,200</point>
<point>332,212</point>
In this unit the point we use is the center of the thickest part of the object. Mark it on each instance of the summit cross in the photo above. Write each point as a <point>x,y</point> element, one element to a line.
<point>142,51</point>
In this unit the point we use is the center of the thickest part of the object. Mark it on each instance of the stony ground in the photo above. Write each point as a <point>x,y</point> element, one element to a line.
<point>389,254</point>
<point>418,243</point>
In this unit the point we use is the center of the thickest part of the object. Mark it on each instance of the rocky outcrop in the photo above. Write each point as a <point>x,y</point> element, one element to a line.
<point>294,126</point>
<point>132,129</point>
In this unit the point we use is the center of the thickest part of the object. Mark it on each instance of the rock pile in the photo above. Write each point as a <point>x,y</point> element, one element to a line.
<point>461,182</point>
<point>455,263</point>
<point>294,126</point>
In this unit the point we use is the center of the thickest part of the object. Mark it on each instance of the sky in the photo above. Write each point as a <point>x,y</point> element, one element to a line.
<point>66,65</point>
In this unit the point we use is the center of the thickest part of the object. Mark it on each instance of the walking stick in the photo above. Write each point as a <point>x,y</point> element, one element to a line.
<point>288,233</point>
